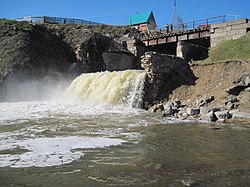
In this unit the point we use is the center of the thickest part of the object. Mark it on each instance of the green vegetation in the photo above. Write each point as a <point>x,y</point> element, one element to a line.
<point>238,49</point>
<point>19,25</point>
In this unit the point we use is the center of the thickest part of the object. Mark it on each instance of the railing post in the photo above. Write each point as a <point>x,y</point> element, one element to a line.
<point>193,24</point>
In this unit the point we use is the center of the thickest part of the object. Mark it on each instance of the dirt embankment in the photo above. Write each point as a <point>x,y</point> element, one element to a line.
<point>213,79</point>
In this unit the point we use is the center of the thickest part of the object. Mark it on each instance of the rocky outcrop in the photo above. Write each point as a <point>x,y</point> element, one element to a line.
<point>164,73</point>
<point>35,51</point>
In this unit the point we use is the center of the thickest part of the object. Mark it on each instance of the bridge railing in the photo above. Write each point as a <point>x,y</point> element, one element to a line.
<point>199,23</point>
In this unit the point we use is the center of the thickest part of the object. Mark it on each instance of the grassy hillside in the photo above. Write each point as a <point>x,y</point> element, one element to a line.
<point>238,49</point>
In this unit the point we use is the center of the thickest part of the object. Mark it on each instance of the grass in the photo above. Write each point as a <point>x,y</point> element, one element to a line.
<point>20,25</point>
<point>238,49</point>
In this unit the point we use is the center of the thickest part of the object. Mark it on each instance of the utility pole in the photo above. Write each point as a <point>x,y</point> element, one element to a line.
<point>174,13</point>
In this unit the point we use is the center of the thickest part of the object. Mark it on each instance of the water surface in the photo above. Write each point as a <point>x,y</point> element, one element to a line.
<point>60,144</point>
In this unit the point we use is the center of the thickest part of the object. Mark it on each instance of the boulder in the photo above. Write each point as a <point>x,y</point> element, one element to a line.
<point>210,117</point>
<point>235,89</point>
<point>169,112</point>
<point>193,111</point>
<point>244,80</point>
<point>164,73</point>
<point>205,100</point>
<point>224,114</point>
<point>241,84</point>
<point>157,108</point>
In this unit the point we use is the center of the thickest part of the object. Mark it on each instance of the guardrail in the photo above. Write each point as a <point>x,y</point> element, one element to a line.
<point>56,20</point>
<point>199,23</point>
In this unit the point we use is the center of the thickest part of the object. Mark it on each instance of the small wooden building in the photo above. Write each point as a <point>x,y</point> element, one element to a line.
<point>143,21</point>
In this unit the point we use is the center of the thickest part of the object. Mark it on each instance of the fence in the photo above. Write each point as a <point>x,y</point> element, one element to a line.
<point>201,23</point>
<point>57,20</point>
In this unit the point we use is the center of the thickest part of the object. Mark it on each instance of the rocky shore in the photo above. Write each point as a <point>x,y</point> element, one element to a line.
<point>224,99</point>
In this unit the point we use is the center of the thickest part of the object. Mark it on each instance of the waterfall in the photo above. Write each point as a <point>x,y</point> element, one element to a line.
<point>112,88</point>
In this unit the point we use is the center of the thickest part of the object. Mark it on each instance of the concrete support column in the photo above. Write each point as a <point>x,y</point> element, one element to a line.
<point>189,51</point>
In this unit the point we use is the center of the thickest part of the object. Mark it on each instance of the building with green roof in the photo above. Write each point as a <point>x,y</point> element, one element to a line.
<point>143,21</point>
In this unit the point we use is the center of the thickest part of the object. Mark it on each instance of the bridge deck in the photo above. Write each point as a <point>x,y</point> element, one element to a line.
<point>175,36</point>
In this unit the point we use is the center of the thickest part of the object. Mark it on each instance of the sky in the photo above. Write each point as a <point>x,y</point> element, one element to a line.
<point>117,12</point>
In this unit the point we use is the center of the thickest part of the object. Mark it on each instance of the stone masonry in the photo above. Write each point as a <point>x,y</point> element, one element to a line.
<point>228,31</point>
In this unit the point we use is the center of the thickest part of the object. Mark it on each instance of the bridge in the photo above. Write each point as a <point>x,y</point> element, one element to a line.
<point>193,36</point>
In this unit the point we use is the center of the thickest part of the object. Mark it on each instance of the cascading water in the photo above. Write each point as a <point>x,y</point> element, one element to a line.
<point>112,88</point>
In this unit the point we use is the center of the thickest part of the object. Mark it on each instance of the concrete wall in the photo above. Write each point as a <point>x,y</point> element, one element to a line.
<point>228,31</point>
<point>188,51</point>
<point>118,61</point>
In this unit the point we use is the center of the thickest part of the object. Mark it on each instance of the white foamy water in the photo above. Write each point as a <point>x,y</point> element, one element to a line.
<point>47,134</point>
<point>42,152</point>
<point>95,112</point>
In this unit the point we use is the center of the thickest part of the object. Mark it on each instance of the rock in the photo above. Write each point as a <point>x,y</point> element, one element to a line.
<point>244,80</point>
<point>205,100</point>
<point>193,111</point>
<point>209,117</point>
<point>204,110</point>
<point>169,112</point>
<point>230,99</point>
<point>231,106</point>
<point>241,84</point>
<point>235,90</point>
<point>239,114</point>
<point>224,114</point>
<point>177,103</point>
<point>164,73</point>
<point>157,108</point>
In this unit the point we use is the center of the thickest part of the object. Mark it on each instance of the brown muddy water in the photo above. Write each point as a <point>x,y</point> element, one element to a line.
<point>58,144</point>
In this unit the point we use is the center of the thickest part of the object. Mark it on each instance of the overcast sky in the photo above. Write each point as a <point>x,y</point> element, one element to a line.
<point>117,12</point>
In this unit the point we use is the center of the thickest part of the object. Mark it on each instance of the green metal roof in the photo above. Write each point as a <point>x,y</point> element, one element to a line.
<point>139,18</point>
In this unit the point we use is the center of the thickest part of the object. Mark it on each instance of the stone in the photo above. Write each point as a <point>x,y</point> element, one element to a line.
<point>239,114</point>
<point>193,111</point>
<point>164,73</point>
<point>230,99</point>
<point>157,108</point>
<point>224,114</point>
<point>241,84</point>
<point>231,106</point>
<point>244,80</point>
<point>177,103</point>
<point>235,90</point>
<point>205,100</point>
<point>169,112</point>
<point>209,117</point>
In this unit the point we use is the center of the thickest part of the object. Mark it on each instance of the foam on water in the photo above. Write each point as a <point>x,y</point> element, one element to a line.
<point>48,133</point>
<point>42,152</point>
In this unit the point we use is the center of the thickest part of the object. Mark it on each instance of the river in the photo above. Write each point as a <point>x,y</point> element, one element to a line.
<point>80,142</point>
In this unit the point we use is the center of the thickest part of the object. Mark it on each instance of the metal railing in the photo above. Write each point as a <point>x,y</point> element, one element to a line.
<point>56,20</point>
<point>199,23</point>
